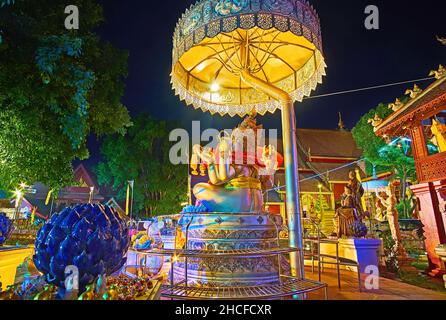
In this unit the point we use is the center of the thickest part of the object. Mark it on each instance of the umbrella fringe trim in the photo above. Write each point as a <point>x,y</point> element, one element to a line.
<point>241,110</point>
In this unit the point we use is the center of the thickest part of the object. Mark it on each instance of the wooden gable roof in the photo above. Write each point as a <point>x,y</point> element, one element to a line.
<point>429,103</point>
<point>81,174</point>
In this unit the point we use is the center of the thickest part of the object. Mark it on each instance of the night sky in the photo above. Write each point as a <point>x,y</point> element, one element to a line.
<point>404,48</point>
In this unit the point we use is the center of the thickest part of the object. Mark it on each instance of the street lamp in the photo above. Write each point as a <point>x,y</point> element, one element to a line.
<point>91,195</point>
<point>131,184</point>
<point>18,202</point>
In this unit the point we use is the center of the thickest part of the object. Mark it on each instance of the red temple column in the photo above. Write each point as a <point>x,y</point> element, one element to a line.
<point>433,219</point>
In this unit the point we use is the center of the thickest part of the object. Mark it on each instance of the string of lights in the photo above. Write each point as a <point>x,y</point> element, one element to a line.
<point>318,175</point>
<point>368,88</point>
<point>346,92</point>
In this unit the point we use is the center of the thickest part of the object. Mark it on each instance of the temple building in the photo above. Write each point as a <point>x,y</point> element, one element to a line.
<point>325,159</point>
<point>86,189</point>
<point>423,119</point>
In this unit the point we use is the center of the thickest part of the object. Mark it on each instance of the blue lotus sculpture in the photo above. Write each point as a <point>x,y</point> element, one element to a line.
<point>94,238</point>
<point>5,228</point>
<point>359,229</point>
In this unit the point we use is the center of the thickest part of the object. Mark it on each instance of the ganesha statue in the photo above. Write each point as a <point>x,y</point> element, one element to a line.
<point>238,170</point>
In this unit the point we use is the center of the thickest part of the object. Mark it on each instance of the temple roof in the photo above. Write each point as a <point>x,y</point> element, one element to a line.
<point>82,174</point>
<point>71,194</point>
<point>273,196</point>
<point>427,104</point>
<point>326,143</point>
<point>42,209</point>
<point>308,183</point>
<point>329,143</point>
<point>337,172</point>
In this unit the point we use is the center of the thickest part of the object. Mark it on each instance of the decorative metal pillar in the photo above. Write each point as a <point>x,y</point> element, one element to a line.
<point>236,57</point>
<point>291,167</point>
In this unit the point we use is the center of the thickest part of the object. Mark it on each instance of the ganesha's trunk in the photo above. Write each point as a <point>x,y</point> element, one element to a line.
<point>291,166</point>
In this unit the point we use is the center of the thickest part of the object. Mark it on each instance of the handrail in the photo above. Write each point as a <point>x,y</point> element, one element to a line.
<point>318,231</point>
<point>291,286</point>
<point>219,253</point>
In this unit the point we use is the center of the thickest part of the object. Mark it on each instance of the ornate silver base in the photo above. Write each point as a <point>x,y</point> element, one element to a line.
<point>222,232</point>
<point>231,257</point>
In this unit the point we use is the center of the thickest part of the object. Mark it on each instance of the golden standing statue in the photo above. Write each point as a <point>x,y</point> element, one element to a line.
<point>438,129</point>
<point>392,217</point>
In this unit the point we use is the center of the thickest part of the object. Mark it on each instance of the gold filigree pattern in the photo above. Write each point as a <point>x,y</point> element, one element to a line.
<point>415,92</point>
<point>438,74</point>
<point>280,41</point>
<point>375,122</point>
<point>396,105</point>
<point>307,81</point>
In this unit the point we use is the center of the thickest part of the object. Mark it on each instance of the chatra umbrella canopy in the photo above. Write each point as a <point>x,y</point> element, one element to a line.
<point>277,41</point>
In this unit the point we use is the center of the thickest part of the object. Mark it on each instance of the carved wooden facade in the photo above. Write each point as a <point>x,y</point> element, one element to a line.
<point>408,121</point>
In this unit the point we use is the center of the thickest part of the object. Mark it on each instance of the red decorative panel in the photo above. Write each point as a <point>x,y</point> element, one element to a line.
<point>338,190</point>
<point>274,209</point>
<point>432,168</point>
<point>419,143</point>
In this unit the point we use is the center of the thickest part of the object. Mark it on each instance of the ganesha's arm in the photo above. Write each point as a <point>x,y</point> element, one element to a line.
<point>231,173</point>
<point>213,174</point>
<point>223,169</point>
<point>202,154</point>
<point>208,157</point>
<point>223,164</point>
<point>216,179</point>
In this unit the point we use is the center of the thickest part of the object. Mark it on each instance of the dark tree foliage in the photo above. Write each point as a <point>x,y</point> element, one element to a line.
<point>57,86</point>
<point>364,136</point>
<point>386,157</point>
<point>142,155</point>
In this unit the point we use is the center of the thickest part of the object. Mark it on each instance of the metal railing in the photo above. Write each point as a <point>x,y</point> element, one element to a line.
<point>321,258</point>
<point>318,246</point>
<point>286,287</point>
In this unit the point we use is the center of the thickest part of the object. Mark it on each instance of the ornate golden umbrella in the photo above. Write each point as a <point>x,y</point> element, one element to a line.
<point>236,56</point>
